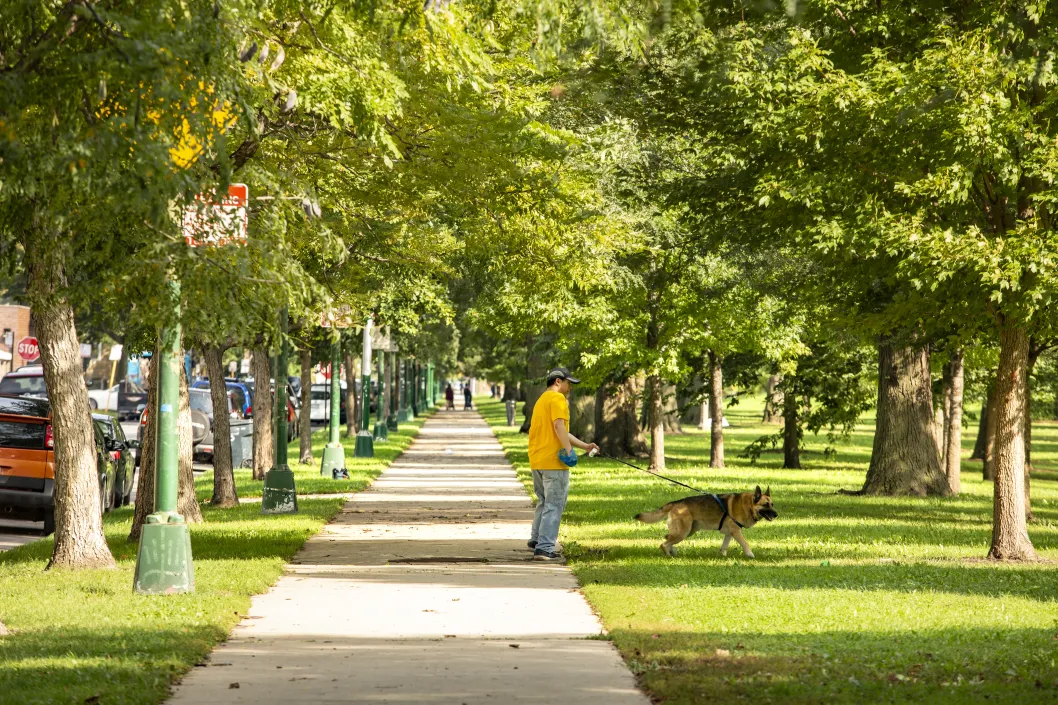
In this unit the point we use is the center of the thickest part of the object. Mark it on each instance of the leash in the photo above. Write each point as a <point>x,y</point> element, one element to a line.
<point>650,472</point>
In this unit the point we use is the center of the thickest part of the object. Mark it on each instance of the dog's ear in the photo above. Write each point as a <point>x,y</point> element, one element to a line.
<point>756,494</point>
<point>767,492</point>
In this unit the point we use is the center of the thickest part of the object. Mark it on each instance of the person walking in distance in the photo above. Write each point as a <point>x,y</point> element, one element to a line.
<point>450,398</point>
<point>468,397</point>
<point>551,456</point>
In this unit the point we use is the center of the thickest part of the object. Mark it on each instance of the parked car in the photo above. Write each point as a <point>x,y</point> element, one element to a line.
<point>243,393</point>
<point>321,403</point>
<point>27,462</point>
<point>201,403</point>
<point>293,404</point>
<point>127,398</point>
<point>122,455</point>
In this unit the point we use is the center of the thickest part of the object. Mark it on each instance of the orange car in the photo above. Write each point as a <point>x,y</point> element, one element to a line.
<point>27,461</point>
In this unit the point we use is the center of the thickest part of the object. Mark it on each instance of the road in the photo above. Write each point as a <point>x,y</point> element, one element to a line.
<point>17,533</point>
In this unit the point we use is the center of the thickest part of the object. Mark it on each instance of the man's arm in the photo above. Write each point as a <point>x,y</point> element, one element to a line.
<point>568,440</point>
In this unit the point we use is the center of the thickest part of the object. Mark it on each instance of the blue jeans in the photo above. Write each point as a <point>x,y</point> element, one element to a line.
<point>552,488</point>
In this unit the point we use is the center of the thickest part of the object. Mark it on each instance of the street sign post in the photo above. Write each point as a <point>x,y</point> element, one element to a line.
<point>280,495</point>
<point>213,223</point>
<point>28,349</point>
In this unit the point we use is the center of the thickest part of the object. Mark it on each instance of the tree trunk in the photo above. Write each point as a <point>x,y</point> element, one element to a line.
<point>716,412</point>
<point>953,423</point>
<point>1010,538</point>
<point>352,399</point>
<point>1034,353</point>
<point>616,423</point>
<point>148,453</point>
<point>186,501</point>
<point>773,399</point>
<point>224,494</point>
<point>982,426</point>
<point>905,459</point>
<point>263,409</point>
<point>670,409</point>
<point>656,423</point>
<point>988,471</point>
<point>79,538</point>
<point>791,433</point>
<point>536,370</point>
<point>305,413</point>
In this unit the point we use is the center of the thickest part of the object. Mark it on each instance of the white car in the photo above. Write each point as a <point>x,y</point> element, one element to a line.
<point>98,398</point>
<point>321,402</point>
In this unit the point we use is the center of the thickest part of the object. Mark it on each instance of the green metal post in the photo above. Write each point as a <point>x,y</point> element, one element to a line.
<point>381,432</point>
<point>433,388</point>
<point>391,415</point>
<point>414,379</point>
<point>279,495</point>
<point>365,444</point>
<point>403,413</point>
<point>333,465</point>
<point>163,562</point>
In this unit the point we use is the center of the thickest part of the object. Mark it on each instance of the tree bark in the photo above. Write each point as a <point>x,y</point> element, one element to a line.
<point>982,426</point>
<point>1010,538</point>
<point>616,423</point>
<point>262,412</point>
<point>953,423</point>
<point>148,454</point>
<point>79,538</point>
<point>186,501</point>
<point>716,412</point>
<point>988,465</point>
<point>656,423</point>
<point>791,436</point>
<point>773,400</point>
<point>352,399</point>
<point>536,370</point>
<point>1034,354</point>
<point>305,413</point>
<point>224,494</point>
<point>905,459</point>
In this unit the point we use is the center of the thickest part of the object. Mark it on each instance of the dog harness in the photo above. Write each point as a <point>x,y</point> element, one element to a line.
<point>727,515</point>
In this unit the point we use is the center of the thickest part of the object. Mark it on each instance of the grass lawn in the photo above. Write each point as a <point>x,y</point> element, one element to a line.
<point>307,478</point>
<point>84,637</point>
<point>850,599</point>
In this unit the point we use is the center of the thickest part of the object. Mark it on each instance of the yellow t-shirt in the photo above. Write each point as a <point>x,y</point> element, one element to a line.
<point>543,441</point>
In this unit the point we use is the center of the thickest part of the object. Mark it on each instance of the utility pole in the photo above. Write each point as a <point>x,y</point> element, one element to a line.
<point>381,431</point>
<point>279,495</point>
<point>333,464</point>
<point>365,445</point>
<point>394,401</point>
<point>163,563</point>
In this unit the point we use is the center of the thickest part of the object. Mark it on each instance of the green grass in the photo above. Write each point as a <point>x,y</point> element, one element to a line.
<point>850,599</point>
<point>307,478</point>
<point>79,635</point>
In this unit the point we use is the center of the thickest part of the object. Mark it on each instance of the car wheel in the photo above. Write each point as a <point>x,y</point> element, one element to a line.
<point>49,522</point>
<point>92,404</point>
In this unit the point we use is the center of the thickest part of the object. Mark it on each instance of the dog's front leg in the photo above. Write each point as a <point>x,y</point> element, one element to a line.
<point>743,543</point>
<point>723,546</point>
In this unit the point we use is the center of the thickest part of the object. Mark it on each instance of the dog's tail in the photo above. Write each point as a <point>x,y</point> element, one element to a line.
<point>654,516</point>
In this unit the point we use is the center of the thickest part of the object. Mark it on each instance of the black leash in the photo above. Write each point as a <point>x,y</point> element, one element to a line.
<point>651,472</point>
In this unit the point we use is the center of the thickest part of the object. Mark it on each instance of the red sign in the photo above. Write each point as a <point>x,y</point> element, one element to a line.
<point>28,349</point>
<point>211,224</point>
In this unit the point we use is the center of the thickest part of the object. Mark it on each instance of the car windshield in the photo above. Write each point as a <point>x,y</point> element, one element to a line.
<point>23,385</point>
<point>133,388</point>
<point>201,402</point>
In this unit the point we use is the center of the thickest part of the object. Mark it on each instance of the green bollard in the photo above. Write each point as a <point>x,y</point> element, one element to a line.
<point>163,562</point>
<point>381,432</point>
<point>393,411</point>
<point>279,495</point>
<point>365,444</point>
<point>333,464</point>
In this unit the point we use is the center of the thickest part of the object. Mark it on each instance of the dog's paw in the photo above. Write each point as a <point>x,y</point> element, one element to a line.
<point>723,552</point>
<point>750,555</point>
<point>668,550</point>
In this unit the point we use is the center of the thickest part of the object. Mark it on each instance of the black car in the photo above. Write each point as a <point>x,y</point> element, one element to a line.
<point>201,404</point>
<point>120,453</point>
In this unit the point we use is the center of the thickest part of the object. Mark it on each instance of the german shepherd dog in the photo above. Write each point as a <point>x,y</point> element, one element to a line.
<point>726,513</point>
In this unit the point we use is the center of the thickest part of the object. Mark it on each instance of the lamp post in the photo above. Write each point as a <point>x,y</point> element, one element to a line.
<point>394,402</point>
<point>279,495</point>
<point>163,562</point>
<point>365,446</point>
<point>333,464</point>
<point>403,413</point>
<point>415,408</point>
<point>381,431</point>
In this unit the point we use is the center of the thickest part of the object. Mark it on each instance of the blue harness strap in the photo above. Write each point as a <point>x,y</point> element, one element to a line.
<point>727,515</point>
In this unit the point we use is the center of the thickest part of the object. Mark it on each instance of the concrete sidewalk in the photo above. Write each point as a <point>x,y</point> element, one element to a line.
<point>421,591</point>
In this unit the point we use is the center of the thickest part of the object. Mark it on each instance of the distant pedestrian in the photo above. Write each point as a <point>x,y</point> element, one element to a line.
<point>550,458</point>
<point>450,398</point>
<point>467,398</point>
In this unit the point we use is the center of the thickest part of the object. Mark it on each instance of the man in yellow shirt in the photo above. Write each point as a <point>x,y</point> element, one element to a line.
<point>550,458</point>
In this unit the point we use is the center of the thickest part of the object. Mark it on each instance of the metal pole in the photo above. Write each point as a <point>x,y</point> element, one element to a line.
<point>163,563</point>
<point>391,417</point>
<point>279,495</point>
<point>414,381</point>
<point>333,464</point>
<point>381,432</point>
<point>365,445</point>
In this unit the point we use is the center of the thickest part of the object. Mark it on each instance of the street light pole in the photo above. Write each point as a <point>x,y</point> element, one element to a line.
<point>391,413</point>
<point>365,445</point>
<point>163,563</point>
<point>279,495</point>
<point>333,465</point>
<point>381,432</point>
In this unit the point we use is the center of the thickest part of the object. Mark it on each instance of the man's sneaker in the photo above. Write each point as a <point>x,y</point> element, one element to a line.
<point>546,556</point>
<point>531,545</point>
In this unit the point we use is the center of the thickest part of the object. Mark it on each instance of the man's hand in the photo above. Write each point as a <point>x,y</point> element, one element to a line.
<point>593,448</point>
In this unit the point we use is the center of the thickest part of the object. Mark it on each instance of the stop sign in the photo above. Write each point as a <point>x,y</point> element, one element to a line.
<point>28,349</point>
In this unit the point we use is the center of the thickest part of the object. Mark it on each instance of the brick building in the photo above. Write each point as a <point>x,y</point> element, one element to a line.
<point>16,319</point>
